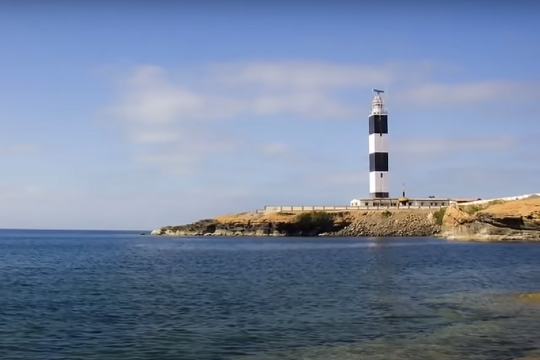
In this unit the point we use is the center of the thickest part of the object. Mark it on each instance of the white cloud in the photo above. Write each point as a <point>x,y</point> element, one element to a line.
<point>168,121</point>
<point>150,95</point>
<point>305,76</point>
<point>149,136</point>
<point>304,104</point>
<point>150,98</point>
<point>275,149</point>
<point>173,162</point>
<point>437,146</point>
<point>17,149</point>
<point>436,94</point>
<point>171,121</point>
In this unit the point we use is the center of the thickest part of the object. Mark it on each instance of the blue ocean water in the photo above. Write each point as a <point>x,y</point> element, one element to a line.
<point>120,295</point>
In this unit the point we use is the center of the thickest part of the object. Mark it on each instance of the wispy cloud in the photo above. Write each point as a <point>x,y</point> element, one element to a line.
<point>172,122</point>
<point>17,149</point>
<point>150,136</point>
<point>12,192</point>
<point>276,150</point>
<point>437,94</point>
<point>436,147</point>
<point>305,76</point>
<point>168,121</point>
<point>149,97</point>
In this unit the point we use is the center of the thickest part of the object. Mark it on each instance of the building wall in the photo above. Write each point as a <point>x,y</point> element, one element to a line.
<point>367,204</point>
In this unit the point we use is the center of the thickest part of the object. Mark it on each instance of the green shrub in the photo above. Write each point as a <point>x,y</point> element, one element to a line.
<point>315,222</point>
<point>439,215</point>
<point>386,213</point>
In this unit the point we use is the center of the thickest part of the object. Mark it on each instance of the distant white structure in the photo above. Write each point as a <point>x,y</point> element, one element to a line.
<point>508,198</point>
<point>378,148</point>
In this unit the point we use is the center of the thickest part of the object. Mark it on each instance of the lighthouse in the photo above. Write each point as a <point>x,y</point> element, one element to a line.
<point>378,148</point>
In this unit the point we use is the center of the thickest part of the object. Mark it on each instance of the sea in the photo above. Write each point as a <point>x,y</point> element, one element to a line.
<point>123,295</point>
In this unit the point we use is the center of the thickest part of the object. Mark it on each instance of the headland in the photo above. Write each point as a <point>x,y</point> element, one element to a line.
<point>497,220</point>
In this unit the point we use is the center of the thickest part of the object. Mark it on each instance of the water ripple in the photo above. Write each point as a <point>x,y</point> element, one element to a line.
<point>114,295</point>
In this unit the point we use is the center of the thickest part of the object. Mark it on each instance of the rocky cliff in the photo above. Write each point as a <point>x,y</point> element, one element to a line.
<point>354,223</point>
<point>495,221</point>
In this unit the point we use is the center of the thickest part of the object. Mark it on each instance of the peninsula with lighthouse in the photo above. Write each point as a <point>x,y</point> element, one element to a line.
<point>513,218</point>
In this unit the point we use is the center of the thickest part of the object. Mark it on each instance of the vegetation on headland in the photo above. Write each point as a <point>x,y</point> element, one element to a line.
<point>439,216</point>
<point>309,223</point>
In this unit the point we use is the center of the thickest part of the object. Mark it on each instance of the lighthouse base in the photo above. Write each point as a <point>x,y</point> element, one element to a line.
<point>379,195</point>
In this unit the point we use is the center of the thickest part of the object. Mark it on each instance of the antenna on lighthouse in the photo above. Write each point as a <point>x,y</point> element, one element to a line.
<point>377,91</point>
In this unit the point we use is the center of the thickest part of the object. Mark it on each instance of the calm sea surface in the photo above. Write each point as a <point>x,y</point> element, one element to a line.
<point>119,295</point>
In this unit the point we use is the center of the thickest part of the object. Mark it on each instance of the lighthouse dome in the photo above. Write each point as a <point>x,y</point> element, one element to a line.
<point>377,100</point>
<point>377,105</point>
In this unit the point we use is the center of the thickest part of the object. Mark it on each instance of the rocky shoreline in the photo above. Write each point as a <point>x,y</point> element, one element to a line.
<point>505,221</point>
<point>366,223</point>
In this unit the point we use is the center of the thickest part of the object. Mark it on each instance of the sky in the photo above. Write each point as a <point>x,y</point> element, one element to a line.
<point>135,115</point>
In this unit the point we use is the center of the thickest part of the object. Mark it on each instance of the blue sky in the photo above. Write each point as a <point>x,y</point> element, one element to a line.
<point>132,115</point>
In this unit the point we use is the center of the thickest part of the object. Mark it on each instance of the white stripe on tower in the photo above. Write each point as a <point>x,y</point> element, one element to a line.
<point>378,148</point>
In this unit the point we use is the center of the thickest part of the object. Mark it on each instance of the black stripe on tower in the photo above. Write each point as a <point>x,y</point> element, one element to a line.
<point>378,124</point>
<point>378,161</point>
<point>380,194</point>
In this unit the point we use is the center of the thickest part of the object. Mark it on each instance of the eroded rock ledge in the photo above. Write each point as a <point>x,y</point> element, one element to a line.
<point>497,221</point>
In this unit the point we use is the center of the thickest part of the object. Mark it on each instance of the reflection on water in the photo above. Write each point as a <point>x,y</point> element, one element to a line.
<point>119,295</point>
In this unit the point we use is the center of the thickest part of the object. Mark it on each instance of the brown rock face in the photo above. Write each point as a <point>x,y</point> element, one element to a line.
<point>498,221</point>
<point>392,223</point>
<point>357,223</point>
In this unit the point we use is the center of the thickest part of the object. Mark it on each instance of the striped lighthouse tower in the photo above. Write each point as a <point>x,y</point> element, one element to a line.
<point>378,148</point>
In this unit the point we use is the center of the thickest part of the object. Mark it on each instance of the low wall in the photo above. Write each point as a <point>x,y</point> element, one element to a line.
<point>275,209</point>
